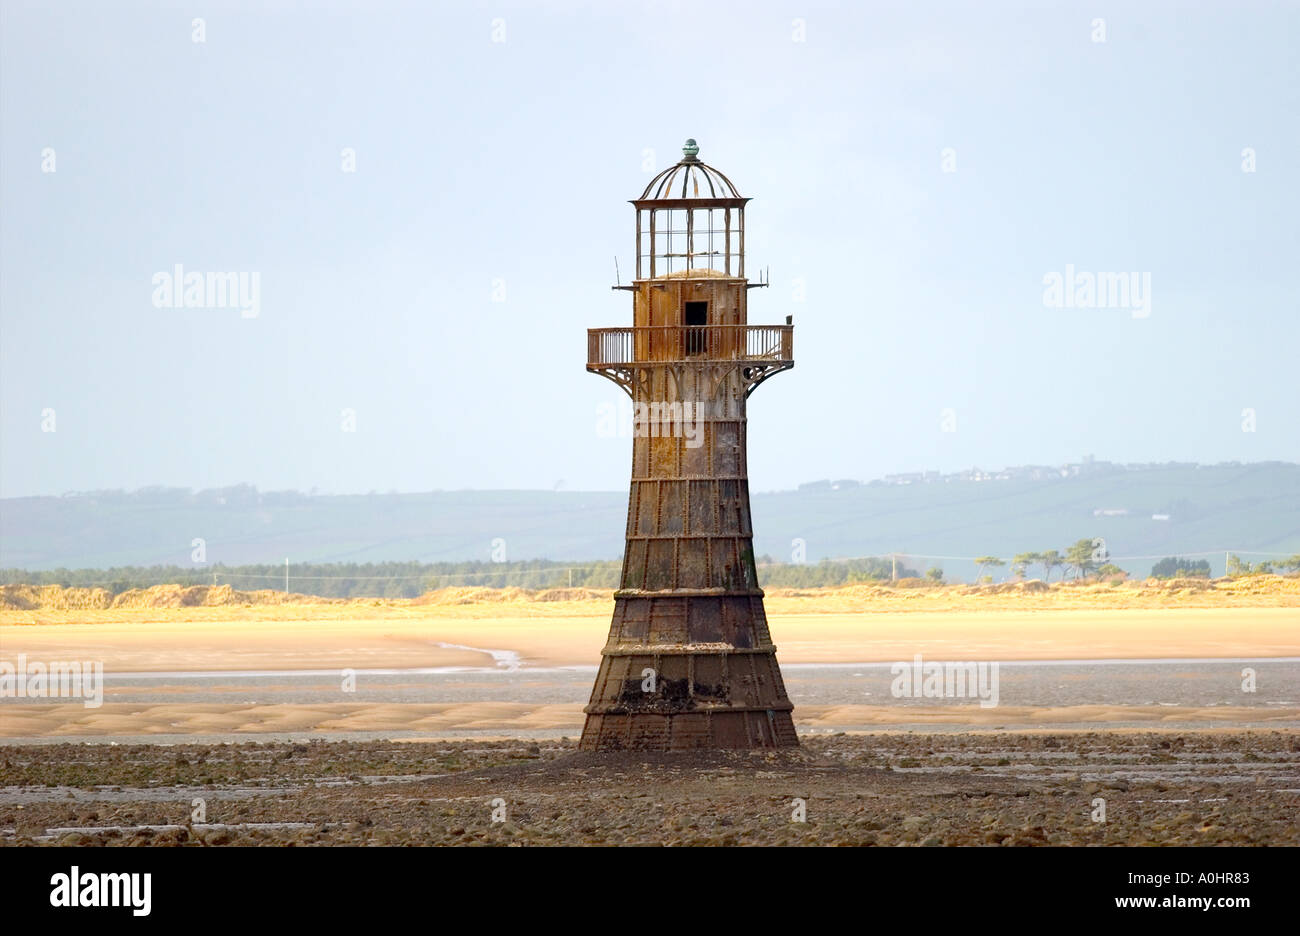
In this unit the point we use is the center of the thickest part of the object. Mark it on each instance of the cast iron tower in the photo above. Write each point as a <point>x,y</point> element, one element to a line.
<point>689,662</point>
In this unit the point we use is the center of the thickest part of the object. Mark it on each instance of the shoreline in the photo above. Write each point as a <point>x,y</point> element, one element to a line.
<point>524,669</point>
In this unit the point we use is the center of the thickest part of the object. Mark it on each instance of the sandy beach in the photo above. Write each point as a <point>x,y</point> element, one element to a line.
<point>359,637</point>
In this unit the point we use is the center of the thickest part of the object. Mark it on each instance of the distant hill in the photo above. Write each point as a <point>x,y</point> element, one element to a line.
<point>1248,509</point>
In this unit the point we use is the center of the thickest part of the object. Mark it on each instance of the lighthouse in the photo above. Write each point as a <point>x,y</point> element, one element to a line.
<point>689,662</point>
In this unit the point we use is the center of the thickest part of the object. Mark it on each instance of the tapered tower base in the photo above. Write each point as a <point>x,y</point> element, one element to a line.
<point>688,731</point>
<point>688,672</point>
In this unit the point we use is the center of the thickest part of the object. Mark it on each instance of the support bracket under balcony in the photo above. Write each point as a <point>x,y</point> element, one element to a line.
<point>755,374</point>
<point>623,375</point>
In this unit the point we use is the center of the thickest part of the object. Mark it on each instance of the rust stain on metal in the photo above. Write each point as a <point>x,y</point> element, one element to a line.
<point>689,662</point>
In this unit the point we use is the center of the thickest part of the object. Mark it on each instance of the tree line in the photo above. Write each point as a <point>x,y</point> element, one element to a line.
<point>1082,560</point>
<point>336,579</point>
<point>1087,557</point>
<point>412,579</point>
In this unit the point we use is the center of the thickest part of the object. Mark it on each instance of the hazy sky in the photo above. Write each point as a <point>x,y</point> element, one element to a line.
<point>479,161</point>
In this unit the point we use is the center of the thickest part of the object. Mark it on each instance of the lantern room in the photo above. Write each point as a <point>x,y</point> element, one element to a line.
<point>690,220</point>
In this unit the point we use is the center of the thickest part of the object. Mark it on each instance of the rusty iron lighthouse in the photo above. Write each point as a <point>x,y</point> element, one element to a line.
<point>689,662</point>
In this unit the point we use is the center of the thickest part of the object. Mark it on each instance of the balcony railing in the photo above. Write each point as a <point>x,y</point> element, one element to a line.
<point>654,343</point>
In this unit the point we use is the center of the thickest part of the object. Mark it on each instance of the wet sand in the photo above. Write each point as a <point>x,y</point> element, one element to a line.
<point>472,719</point>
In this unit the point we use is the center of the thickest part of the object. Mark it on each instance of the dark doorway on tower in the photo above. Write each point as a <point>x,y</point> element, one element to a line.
<point>697,316</point>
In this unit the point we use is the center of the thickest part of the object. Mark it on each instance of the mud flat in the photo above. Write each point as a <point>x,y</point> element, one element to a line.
<point>1212,787</point>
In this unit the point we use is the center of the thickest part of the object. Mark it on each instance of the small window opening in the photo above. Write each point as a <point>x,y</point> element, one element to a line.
<point>697,316</point>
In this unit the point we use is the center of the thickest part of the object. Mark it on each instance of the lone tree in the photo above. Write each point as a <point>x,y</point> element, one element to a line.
<point>1080,558</point>
<point>1021,562</point>
<point>985,562</point>
<point>1050,560</point>
<point>934,574</point>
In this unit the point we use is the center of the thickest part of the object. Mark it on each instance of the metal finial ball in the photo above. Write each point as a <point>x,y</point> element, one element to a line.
<point>691,149</point>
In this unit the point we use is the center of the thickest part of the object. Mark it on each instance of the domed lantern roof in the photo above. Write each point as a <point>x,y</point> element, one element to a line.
<point>690,178</point>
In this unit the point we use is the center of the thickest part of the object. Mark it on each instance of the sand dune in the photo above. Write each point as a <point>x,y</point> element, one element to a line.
<point>908,595</point>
